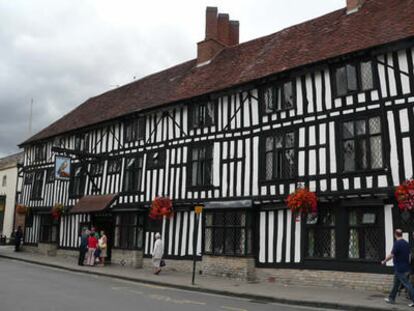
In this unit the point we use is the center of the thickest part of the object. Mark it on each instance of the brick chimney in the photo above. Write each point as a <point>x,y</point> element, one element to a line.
<point>221,32</point>
<point>353,6</point>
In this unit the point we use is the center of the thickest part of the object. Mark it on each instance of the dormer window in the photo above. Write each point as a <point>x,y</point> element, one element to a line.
<point>278,97</point>
<point>202,114</point>
<point>134,130</point>
<point>354,77</point>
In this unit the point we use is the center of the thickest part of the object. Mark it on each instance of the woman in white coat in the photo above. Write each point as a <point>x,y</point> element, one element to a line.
<point>157,253</point>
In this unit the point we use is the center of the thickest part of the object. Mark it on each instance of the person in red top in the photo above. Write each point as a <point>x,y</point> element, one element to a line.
<point>92,245</point>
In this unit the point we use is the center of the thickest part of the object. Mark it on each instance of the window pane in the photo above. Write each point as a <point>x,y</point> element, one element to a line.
<point>289,140</point>
<point>269,166</point>
<point>367,79</point>
<point>374,126</point>
<point>376,152</point>
<point>340,79</point>
<point>278,98</point>
<point>348,129</point>
<point>269,143</point>
<point>351,78</point>
<point>360,127</point>
<point>268,99</point>
<point>353,251</point>
<point>288,95</point>
<point>210,113</point>
<point>279,141</point>
<point>362,154</point>
<point>349,155</point>
<point>289,163</point>
<point>208,240</point>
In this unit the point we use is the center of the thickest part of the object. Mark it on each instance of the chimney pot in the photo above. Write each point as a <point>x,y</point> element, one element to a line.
<point>353,6</point>
<point>220,33</point>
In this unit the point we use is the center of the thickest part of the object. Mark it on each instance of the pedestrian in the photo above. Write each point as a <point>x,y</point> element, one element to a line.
<point>157,253</point>
<point>92,245</point>
<point>18,235</point>
<point>83,247</point>
<point>103,246</point>
<point>401,257</point>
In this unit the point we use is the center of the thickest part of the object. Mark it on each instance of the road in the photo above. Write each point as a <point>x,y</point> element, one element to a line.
<point>30,287</point>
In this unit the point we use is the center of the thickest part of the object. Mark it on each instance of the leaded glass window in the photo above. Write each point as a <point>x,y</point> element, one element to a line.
<point>114,166</point>
<point>228,233</point>
<point>201,165</point>
<point>280,156</point>
<point>278,97</point>
<point>362,144</point>
<point>134,130</point>
<point>321,236</point>
<point>156,159</point>
<point>133,174</point>
<point>365,235</point>
<point>77,181</point>
<point>129,231</point>
<point>202,114</point>
<point>354,77</point>
<point>38,185</point>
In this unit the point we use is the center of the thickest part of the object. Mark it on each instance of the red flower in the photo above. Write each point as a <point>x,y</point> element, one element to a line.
<point>302,201</point>
<point>404,194</point>
<point>160,207</point>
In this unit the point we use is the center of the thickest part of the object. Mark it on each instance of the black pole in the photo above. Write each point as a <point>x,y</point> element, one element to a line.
<point>195,248</point>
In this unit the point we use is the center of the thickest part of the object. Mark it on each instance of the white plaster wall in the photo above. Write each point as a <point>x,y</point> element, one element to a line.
<point>10,192</point>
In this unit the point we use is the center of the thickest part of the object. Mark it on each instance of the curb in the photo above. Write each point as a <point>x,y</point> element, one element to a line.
<point>254,297</point>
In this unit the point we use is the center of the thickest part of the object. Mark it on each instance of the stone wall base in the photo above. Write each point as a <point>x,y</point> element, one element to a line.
<point>132,258</point>
<point>322,278</point>
<point>235,268</point>
<point>45,249</point>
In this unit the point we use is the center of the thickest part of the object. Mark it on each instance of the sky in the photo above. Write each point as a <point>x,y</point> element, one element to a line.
<point>57,54</point>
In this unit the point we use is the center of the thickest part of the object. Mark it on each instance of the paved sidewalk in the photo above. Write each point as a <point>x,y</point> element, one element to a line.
<point>342,299</point>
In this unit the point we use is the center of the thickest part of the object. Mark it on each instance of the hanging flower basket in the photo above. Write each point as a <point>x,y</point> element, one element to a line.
<point>160,207</point>
<point>57,211</point>
<point>21,209</point>
<point>405,195</point>
<point>302,201</point>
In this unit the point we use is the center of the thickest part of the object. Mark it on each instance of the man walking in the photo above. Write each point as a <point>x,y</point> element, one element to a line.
<point>401,256</point>
<point>83,247</point>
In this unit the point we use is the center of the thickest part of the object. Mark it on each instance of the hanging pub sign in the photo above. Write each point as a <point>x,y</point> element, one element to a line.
<point>62,168</point>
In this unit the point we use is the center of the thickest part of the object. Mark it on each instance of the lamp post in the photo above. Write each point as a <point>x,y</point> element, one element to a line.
<point>197,210</point>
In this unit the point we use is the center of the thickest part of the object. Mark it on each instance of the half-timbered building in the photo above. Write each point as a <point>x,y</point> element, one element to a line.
<point>328,104</point>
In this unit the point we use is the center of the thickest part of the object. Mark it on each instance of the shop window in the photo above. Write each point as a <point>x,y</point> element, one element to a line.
<point>129,231</point>
<point>37,185</point>
<point>354,77</point>
<point>362,144</point>
<point>134,130</point>
<point>156,159</point>
<point>280,154</point>
<point>364,235</point>
<point>200,165</point>
<point>228,233</point>
<point>278,97</point>
<point>133,174</point>
<point>48,229</point>
<point>202,114</point>
<point>321,236</point>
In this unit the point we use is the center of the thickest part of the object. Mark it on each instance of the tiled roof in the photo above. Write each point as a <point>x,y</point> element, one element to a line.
<point>377,23</point>
<point>11,160</point>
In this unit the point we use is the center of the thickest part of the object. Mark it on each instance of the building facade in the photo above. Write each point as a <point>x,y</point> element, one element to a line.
<point>9,171</point>
<point>327,104</point>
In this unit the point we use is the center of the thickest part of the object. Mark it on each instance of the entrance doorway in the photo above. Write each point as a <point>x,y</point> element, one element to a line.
<point>106,223</point>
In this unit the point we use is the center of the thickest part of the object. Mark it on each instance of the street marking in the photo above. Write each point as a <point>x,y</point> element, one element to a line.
<point>177,301</point>
<point>232,308</point>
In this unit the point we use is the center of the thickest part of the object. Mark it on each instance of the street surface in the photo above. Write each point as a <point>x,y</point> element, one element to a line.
<point>27,287</point>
